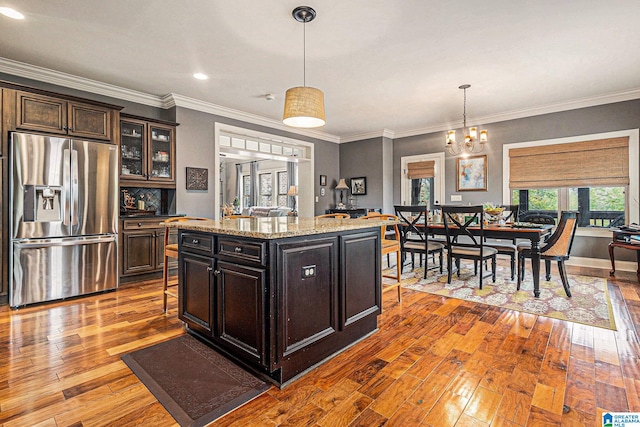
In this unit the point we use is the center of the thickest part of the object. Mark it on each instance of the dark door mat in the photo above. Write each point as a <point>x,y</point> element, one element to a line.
<point>193,382</point>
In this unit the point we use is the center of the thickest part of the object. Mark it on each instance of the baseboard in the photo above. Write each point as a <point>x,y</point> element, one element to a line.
<point>604,264</point>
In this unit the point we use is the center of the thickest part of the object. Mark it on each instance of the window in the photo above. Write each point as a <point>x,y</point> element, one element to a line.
<point>422,179</point>
<point>246,191</point>
<point>595,175</point>
<point>599,207</point>
<point>421,191</point>
<point>283,188</point>
<point>265,189</point>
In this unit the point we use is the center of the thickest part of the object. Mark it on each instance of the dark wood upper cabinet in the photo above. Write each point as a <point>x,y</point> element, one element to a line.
<point>54,115</point>
<point>89,121</point>
<point>147,152</point>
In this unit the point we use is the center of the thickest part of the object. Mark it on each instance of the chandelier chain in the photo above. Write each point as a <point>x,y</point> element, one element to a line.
<point>464,112</point>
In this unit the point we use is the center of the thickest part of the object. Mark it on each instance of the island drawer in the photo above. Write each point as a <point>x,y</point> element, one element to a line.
<point>197,242</point>
<point>242,250</point>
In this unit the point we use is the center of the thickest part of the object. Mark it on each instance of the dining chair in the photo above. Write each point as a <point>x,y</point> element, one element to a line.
<point>467,222</point>
<point>334,215</point>
<point>413,236</point>
<point>537,218</point>
<point>389,246</point>
<point>171,251</point>
<point>507,247</point>
<point>511,213</point>
<point>557,248</point>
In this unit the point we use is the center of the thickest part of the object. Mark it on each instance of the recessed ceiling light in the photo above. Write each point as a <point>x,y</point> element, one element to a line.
<point>11,13</point>
<point>200,76</point>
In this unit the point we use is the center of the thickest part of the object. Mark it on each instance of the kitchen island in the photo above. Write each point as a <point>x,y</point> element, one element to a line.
<point>280,295</point>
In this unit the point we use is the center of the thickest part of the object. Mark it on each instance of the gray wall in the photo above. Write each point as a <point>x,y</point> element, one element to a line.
<point>327,155</point>
<point>364,159</point>
<point>592,120</point>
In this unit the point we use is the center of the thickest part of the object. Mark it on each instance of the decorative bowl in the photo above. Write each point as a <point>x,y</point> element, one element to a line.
<point>494,211</point>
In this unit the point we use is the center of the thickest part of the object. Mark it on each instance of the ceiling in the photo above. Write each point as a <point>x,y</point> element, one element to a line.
<point>382,64</point>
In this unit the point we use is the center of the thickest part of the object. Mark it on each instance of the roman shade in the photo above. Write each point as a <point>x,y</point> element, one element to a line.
<point>424,169</point>
<point>601,162</point>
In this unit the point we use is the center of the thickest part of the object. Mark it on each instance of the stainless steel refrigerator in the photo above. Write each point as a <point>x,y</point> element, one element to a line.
<point>63,219</point>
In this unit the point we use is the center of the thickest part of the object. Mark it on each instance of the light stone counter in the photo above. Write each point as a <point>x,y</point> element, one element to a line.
<point>277,227</point>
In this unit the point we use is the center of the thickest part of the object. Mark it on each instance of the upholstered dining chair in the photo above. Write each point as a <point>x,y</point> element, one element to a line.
<point>458,222</point>
<point>389,246</point>
<point>171,251</point>
<point>538,218</point>
<point>557,248</point>
<point>334,215</point>
<point>413,239</point>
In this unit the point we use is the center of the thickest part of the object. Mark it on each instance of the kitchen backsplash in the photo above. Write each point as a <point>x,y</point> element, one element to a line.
<point>151,199</point>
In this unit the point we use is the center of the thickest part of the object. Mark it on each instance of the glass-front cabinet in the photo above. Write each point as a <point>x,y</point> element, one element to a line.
<point>132,149</point>
<point>147,151</point>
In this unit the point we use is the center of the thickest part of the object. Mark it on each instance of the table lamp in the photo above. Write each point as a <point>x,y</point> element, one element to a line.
<point>293,192</point>
<point>341,186</point>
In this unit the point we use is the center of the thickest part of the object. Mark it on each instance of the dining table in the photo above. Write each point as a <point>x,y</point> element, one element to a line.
<point>535,233</point>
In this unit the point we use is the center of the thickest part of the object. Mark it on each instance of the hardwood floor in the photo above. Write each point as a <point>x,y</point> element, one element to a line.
<point>434,362</point>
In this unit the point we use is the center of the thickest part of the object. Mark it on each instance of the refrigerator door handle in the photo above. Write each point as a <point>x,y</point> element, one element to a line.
<point>73,241</point>
<point>74,187</point>
<point>66,193</point>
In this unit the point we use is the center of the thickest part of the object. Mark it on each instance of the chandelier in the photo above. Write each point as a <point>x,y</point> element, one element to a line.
<point>303,105</point>
<point>473,142</point>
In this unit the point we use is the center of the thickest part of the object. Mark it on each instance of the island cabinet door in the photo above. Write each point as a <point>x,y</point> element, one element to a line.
<point>360,281</point>
<point>195,297</point>
<point>307,277</point>
<point>240,310</point>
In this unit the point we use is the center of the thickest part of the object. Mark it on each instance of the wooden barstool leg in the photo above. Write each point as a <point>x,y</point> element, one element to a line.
<point>165,282</point>
<point>399,276</point>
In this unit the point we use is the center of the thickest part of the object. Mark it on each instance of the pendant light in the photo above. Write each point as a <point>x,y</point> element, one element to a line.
<point>471,143</point>
<point>303,105</point>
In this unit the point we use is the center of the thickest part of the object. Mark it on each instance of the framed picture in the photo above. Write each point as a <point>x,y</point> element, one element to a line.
<point>472,174</point>
<point>197,179</point>
<point>359,186</point>
<point>323,180</point>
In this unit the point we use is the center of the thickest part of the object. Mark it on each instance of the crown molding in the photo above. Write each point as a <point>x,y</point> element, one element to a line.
<point>59,78</point>
<point>174,99</point>
<point>384,133</point>
<point>626,95</point>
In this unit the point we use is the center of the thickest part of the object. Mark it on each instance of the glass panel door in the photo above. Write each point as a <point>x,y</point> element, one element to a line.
<point>161,152</point>
<point>132,149</point>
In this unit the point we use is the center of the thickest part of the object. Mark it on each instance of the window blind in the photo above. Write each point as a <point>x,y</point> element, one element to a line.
<point>602,162</point>
<point>424,169</point>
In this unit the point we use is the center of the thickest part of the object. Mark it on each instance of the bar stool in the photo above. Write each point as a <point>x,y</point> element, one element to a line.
<point>390,246</point>
<point>171,251</point>
<point>334,215</point>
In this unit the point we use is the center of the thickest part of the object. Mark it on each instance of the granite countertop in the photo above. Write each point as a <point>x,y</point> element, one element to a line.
<point>277,227</point>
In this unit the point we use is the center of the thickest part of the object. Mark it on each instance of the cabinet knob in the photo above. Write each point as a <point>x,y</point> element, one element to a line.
<point>209,269</point>
<point>195,241</point>
<point>139,224</point>
<point>238,249</point>
<point>216,272</point>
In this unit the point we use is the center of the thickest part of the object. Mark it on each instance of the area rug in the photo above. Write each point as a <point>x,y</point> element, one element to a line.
<point>193,382</point>
<point>590,303</point>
